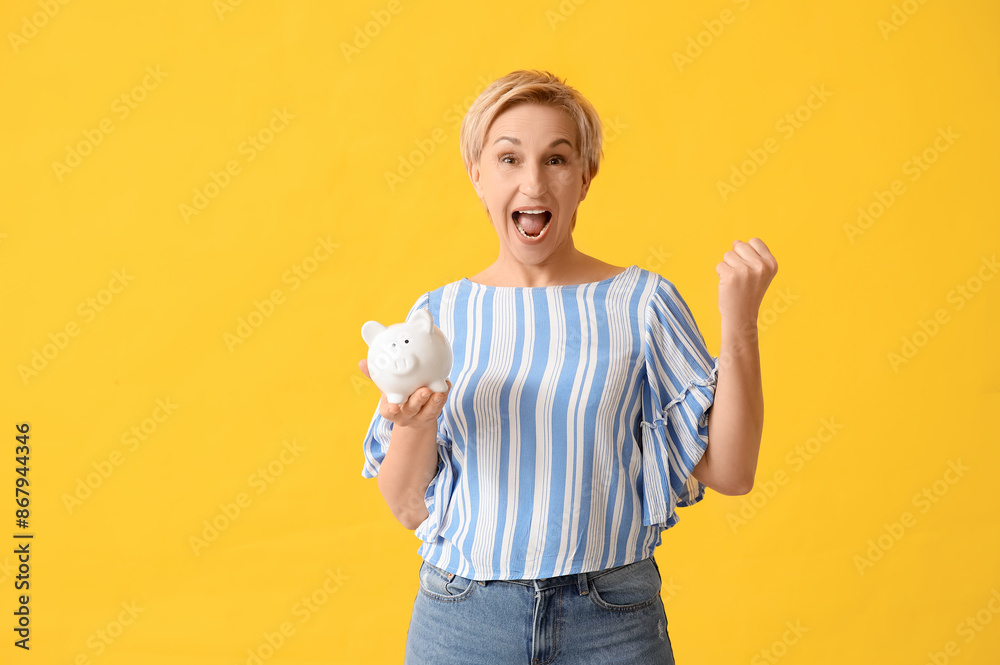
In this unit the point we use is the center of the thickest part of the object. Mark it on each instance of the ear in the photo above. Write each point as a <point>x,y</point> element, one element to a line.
<point>423,319</point>
<point>474,175</point>
<point>370,331</point>
<point>586,187</point>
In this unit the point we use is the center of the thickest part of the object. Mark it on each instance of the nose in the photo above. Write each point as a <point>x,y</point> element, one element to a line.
<point>533,183</point>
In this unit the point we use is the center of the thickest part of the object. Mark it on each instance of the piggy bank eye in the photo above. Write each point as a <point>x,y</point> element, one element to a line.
<point>406,341</point>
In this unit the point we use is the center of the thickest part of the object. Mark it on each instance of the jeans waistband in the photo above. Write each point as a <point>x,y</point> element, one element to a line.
<point>580,579</point>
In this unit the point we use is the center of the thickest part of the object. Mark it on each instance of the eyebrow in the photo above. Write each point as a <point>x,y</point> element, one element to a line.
<point>517,141</point>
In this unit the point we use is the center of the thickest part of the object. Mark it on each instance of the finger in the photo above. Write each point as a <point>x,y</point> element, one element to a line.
<point>363,365</point>
<point>417,400</point>
<point>732,259</point>
<point>390,408</point>
<point>437,399</point>
<point>759,246</point>
<point>763,251</point>
<point>747,252</point>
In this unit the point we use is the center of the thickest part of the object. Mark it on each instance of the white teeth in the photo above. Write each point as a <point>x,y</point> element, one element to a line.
<point>531,212</point>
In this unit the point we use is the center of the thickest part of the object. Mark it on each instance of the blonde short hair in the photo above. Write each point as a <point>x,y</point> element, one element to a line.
<point>536,87</point>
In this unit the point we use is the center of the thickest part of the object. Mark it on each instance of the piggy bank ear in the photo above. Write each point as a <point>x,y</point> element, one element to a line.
<point>423,320</point>
<point>370,331</point>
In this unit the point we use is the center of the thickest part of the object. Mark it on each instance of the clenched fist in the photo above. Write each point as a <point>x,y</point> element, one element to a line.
<point>744,275</point>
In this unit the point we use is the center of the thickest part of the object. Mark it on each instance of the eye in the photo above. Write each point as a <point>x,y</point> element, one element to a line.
<point>558,159</point>
<point>504,158</point>
<point>406,341</point>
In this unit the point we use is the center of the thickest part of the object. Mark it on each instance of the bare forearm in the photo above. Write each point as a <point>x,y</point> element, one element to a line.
<point>736,418</point>
<point>409,465</point>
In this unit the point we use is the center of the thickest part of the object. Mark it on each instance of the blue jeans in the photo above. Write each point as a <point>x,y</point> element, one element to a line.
<point>597,618</point>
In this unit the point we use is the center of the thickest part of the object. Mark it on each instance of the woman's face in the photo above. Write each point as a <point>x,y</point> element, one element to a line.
<point>531,162</point>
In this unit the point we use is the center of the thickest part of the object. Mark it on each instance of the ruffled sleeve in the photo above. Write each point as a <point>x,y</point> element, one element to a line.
<point>376,445</point>
<point>681,377</point>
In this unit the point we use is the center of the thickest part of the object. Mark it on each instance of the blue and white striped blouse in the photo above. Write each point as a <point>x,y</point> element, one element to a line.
<point>575,417</point>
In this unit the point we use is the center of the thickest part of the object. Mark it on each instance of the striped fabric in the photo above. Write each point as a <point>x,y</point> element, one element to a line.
<point>575,417</point>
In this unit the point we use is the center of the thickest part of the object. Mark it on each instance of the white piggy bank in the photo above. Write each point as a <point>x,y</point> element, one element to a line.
<point>407,356</point>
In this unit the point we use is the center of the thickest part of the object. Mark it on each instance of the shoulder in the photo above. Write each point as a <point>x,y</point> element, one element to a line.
<point>665,307</point>
<point>434,299</point>
<point>655,286</point>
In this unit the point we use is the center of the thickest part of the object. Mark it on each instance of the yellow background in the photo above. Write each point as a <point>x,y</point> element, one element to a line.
<point>842,302</point>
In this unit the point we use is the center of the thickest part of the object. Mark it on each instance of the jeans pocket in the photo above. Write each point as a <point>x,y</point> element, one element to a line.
<point>626,588</point>
<point>442,585</point>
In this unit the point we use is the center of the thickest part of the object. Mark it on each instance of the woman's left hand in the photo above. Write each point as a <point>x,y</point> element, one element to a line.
<point>744,275</point>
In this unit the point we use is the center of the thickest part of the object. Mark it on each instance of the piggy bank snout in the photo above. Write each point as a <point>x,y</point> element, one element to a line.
<point>396,362</point>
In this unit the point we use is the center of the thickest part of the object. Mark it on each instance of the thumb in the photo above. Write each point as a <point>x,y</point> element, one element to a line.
<point>363,366</point>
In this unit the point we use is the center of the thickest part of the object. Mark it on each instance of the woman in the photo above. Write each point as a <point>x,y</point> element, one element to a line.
<point>577,416</point>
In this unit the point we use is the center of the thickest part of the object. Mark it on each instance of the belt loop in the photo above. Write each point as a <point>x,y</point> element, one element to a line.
<point>582,584</point>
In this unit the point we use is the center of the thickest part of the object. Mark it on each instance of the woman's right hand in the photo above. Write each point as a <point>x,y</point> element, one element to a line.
<point>421,409</point>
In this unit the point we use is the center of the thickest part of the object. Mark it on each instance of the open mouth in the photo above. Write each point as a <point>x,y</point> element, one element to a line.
<point>531,223</point>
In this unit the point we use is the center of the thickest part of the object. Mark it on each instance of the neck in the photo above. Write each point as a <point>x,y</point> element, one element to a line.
<point>555,270</point>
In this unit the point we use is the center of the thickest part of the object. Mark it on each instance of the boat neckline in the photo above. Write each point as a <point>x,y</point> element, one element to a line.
<point>466,280</point>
